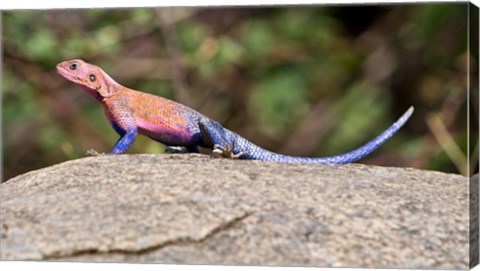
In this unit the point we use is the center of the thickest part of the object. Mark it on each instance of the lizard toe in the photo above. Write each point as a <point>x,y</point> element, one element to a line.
<point>92,152</point>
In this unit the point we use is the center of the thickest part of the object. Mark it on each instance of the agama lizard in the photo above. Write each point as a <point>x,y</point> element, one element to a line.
<point>132,112</point>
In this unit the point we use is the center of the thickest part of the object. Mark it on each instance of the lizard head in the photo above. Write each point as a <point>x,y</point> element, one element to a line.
<point>93,79</point>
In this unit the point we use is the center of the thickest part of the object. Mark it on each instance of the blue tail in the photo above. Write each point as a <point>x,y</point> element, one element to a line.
<point>236,145</point>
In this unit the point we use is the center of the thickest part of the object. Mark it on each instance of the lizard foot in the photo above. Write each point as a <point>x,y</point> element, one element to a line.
<point>91,152</point>
<point>217,152</point>
<point>227,152</point>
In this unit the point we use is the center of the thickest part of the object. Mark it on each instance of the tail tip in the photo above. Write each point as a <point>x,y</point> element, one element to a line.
<point>410,109</point>
<point>406,116</point>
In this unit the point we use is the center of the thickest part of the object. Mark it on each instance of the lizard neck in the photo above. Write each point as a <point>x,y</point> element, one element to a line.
<point>114,90</point>
<point>95,94</point>
<point>107,89</point>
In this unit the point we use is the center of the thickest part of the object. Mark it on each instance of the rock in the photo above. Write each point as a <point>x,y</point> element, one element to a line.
<point>188,208</point>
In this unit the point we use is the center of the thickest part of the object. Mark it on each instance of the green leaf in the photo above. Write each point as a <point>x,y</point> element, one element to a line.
<point>41,46</point>
<point>258,37</point>
<point>279,100</point>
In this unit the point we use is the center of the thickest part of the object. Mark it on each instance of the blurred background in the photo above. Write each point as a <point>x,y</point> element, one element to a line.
<point>299,80</point>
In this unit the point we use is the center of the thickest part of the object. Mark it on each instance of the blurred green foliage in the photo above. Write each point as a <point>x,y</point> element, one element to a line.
<point>342,73</point>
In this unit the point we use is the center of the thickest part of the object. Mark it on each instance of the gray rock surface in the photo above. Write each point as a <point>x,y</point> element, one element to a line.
<point>191,209</point>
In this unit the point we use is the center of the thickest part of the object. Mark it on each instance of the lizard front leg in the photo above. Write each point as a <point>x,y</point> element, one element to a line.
<point>123,122</point>
<point>222,141</point>
<point>122,145</point>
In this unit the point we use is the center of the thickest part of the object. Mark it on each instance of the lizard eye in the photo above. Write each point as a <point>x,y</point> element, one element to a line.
<point>73,66</point>
<point>92,78</point>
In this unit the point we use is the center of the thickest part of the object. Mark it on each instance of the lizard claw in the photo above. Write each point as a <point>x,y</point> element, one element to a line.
<point>91,152</point>
<point>239,155</point>
<point>227,152</point>
<point>217,152</point>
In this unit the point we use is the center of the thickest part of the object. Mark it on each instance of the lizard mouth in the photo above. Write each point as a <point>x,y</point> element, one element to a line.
<point>67,74</point>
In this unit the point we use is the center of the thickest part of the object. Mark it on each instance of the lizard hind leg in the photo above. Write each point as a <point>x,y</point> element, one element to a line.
<point>222,141</point>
